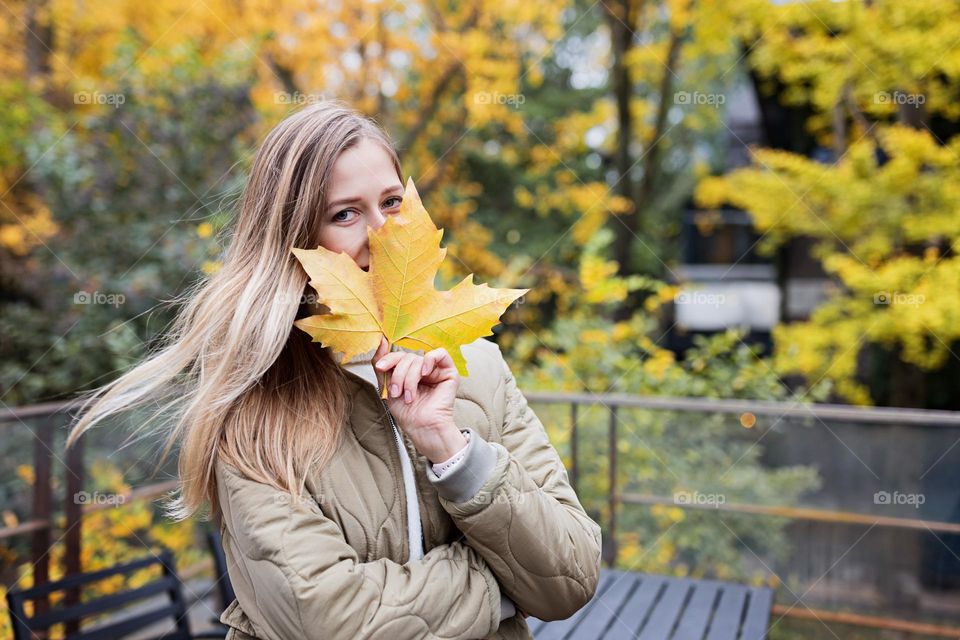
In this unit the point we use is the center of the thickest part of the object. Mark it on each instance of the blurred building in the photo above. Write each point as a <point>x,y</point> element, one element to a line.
<point>725,281</point>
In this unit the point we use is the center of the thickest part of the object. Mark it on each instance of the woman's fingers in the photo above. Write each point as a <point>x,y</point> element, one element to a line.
<point>381,355</point>
<point>429,362</point>
<point>437,365</point>
<point>408,370</point>
<point>411,378</point>
<point>398,376</point>
<point>382,349</point>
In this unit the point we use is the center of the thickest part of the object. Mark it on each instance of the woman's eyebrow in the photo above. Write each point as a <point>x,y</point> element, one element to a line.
<point>342,201</point>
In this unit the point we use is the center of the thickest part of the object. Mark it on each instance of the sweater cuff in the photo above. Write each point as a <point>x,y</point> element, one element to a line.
<point>441,468</point>
<point>462,482</point>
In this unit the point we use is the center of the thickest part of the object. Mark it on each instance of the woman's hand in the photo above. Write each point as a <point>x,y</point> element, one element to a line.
<point>420,394</point>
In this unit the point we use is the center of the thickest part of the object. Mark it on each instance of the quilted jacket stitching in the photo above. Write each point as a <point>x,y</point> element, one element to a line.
<point>289,568</point>
<point>518,406</point>
<point>486,414</point>
<point>499,482</point>
<point>344,506</point>
<point>397,497</point>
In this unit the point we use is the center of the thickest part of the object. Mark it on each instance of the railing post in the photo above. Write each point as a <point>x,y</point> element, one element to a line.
<point>40,539</point>
<point>611,550</point>
<point>574,457</point>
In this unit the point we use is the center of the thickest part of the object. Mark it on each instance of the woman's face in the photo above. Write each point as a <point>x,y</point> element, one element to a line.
<point>364,189</point>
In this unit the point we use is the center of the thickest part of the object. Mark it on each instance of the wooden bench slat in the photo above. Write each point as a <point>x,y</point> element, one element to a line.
<point>758,615</point>
<point>638,607</point>
<point>79,580</point>
<point>693,625</point>
<point>139,622</point>
<point>664,617</point>
<point>606,609</point>
<point>726,619</point>
<point>102,604</point>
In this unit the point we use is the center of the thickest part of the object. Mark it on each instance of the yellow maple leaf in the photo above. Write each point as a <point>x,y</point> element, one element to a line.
<point>396,297</point>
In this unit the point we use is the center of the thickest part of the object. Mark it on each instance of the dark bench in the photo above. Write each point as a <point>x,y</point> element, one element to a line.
<point>172,609</point>
<point>637,605</point>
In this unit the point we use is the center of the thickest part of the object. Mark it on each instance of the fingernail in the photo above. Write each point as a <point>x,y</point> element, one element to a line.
<point>394,390</point>
<point>408,396</point>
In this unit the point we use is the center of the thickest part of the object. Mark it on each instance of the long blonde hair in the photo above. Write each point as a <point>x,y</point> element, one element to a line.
<point>234,380</point>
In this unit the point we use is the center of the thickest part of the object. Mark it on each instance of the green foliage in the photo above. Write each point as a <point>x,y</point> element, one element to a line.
<point>137,192</point>
<point>680,456</point>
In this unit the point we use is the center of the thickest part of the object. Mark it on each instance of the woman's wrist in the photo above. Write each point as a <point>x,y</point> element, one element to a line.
<point>440,468</point>
<point>440,443</point>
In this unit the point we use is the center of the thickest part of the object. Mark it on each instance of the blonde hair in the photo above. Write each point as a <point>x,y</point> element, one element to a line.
<point>244,386</point>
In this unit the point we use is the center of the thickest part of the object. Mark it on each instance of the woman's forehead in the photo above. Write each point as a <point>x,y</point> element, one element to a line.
<point>364,169</point>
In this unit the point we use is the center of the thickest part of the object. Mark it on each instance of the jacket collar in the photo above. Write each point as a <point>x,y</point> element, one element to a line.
<point>361,368</point>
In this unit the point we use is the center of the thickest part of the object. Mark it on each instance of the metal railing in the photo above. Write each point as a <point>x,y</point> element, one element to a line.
<point>846,413</point>
<point>40,527</point>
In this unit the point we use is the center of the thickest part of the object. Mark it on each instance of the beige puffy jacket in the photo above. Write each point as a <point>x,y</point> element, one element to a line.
<point>337,565</point>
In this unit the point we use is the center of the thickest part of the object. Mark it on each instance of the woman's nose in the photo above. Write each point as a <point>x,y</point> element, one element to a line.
<point>377,219</point>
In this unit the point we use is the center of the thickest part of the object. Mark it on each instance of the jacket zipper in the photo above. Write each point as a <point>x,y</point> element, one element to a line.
<point>403,483</point>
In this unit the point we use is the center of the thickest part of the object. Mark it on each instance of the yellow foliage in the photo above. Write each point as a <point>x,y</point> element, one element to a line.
<point>621,331</point>
<point>594,336</point>
<point>25,473</point>
<point>210,267</point>
<point>864,213</point>
<point>461,66</point>
<point>31,226</point>
<point>659,364</point>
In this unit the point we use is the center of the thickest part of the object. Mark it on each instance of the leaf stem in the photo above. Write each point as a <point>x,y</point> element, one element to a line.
<point>383,381</point>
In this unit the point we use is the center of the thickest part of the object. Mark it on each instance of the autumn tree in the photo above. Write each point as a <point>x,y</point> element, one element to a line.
<point>880,80</point>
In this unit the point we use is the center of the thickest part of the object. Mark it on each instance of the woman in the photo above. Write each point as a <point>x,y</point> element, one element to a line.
<point>441,512</point>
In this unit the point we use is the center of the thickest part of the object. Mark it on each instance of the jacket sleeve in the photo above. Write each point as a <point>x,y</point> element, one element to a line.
<point>307,582</point>
<point>514,504</point>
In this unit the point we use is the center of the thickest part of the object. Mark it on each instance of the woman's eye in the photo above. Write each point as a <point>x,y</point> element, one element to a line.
<point>336,217</point>
<point>389,200</point>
